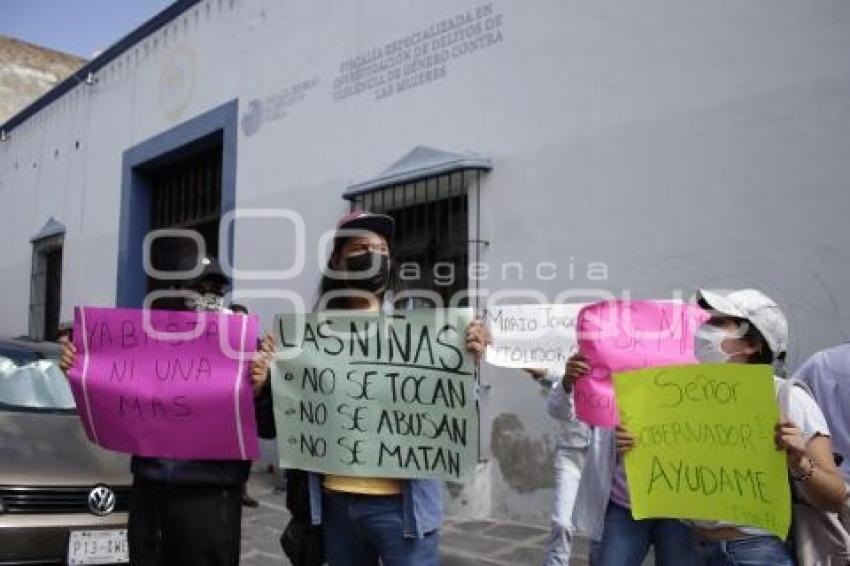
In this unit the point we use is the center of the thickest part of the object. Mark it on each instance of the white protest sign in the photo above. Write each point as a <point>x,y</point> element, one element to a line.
<point>532,336</point>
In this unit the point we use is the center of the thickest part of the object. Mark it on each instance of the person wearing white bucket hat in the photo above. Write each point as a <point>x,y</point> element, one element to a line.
<point>754,307</point>
<point>747,326</point>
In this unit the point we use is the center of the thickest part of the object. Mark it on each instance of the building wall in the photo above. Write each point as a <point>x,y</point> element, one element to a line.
<point>679,143</point>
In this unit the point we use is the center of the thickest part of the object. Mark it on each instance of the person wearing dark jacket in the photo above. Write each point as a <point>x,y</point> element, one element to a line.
<point>187,512</point>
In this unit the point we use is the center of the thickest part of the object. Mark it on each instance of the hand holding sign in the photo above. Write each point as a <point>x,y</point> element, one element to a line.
<point>476,340</point>
<point>68,355</point>
<point>262,363</point>
<point>623,440</point>
<point>790,439</point>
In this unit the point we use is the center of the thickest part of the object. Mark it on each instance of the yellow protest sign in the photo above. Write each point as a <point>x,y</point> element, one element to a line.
<point>704,444</point>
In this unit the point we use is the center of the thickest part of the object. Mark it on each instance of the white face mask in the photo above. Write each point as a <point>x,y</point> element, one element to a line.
<point>209,302</point>
<point>707,344</point>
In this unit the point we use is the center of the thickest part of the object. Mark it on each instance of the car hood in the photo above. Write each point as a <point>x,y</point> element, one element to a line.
<point>40,448</point>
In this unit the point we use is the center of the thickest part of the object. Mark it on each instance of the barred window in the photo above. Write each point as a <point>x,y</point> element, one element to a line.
<point>185,194</point>
<point>433,196</point>
<point>432,232</point>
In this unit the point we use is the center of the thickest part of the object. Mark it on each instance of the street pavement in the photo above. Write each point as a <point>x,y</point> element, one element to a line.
<point>462,542</point>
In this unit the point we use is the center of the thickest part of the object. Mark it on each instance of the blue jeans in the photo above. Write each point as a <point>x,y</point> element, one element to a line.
<point>626,541</point>
<point>361,529</point>
<point>749,551</point>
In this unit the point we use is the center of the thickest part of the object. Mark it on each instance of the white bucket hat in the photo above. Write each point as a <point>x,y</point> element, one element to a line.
<point>757,308</point>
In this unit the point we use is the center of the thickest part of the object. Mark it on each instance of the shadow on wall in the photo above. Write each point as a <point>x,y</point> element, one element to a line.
<point>526,462</point>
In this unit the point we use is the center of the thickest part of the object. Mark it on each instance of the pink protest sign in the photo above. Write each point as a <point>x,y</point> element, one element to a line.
<point>620,336</point>
<point>166,384</point>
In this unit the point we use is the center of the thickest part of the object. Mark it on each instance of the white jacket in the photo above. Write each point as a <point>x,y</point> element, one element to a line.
<point>597,475</point>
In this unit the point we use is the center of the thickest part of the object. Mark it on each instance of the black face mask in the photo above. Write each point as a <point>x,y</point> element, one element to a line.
<point>364,263</point>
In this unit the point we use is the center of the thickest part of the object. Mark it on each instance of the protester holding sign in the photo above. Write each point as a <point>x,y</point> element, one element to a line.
<point>571,446</point>
<point>185,512</point>
<point>747,327</point>
<point>641,330</point>
<point>367,520</point>
<point>539,339</point>
<point>601,510</point>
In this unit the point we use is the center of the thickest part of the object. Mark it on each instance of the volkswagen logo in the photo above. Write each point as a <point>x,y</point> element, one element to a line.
<point>101,500</point>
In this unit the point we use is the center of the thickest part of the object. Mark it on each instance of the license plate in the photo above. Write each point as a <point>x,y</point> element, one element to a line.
<point>98,547</point>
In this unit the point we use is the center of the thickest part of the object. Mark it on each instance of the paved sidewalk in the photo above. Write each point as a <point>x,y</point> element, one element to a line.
<point>492,543</point>
<point>462,543</point>
<point>262,526</point>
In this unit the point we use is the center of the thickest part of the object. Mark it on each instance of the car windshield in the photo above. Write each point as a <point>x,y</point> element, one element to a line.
<point>29,382</point>
<point>20,356</point>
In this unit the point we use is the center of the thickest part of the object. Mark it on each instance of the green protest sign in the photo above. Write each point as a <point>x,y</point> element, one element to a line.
<point>705,444</point>
<point>376,395</point>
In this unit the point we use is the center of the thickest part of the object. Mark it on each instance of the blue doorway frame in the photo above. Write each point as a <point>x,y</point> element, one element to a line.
<point>215,126</point>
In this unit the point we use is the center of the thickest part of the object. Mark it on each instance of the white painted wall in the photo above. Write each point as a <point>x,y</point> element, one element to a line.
<point>681,143</point>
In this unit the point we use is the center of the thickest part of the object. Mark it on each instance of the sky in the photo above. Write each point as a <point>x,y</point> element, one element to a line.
<point>81,27</point>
